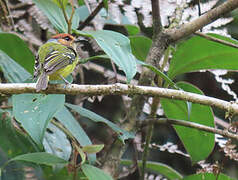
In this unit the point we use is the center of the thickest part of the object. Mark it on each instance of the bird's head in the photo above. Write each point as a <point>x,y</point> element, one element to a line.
<point>64,39</point>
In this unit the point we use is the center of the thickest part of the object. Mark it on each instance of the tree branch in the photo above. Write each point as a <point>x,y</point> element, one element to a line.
<point>216,39</point>
<point>91,16</point>
<point>192,125</point>
<point>157,28</point>
<point>120,89</point>
<point>210,16</point>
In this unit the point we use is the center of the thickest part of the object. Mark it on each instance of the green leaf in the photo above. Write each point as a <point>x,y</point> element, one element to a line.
<point>123,135</point>
<point>11,171</point>
<point>55,15</point>
<point>92,173</point>
<point>132,29</point>
<point>208,176</point>
<point>70,123</point>
<point>159,73</point>
<point>105,4</point>
<point>62,174</point>
<point>40,158</point>
<point>81,2</point>
<point>91,149</point>
<point>67,119</point>
<point>12,71</point>
<point>56,142</point>
<point>34,111</point>
<point>140,46</point>
<point>17,49</point>
<point>158,168</point>
<point>199,144</point>
<point>198,53</point>
<point>83,13</point>
<point>76,16</point>
<point>61,3</point>
<point>13,142</point>
<point>117,47</point>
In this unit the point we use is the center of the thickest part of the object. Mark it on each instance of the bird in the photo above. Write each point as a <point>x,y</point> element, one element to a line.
<point>55,60</point>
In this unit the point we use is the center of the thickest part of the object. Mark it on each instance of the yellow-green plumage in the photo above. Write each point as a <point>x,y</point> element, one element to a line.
<point>55,61</point>
<point>51,46</point>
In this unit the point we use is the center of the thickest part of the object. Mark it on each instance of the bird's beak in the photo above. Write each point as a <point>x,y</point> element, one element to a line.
<point>80,39</point>
<point>77,40</point>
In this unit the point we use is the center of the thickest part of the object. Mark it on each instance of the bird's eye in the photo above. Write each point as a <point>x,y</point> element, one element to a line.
<point>67,38</point>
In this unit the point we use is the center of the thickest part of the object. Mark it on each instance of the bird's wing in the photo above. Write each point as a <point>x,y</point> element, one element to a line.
<point>58,58</point>
<point>36,67</point>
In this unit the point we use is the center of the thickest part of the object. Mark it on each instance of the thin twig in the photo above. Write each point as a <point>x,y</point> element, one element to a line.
<point>192,125</point>
<point>114,70</point>
<point>216,39</point>
<point>68,21</point>
<point>71,17</point>
<point>91,16</point>
<point>10,16</point>
<point>5,107</point>
<point>135,157</point>
<point>149,134</point>
<point>193,26</point>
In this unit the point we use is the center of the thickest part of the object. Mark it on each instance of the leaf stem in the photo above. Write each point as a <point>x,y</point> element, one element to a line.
<point>62,128</point>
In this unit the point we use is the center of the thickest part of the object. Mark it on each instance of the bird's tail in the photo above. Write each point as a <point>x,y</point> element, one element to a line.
<point>42,82</point>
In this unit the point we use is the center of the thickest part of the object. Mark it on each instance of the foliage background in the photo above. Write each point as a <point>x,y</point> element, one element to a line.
<point>33,27</point>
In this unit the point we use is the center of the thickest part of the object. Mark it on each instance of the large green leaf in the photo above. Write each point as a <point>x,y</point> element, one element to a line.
<point>67,119</point>
<point>56,142</point>
<point>158,168</point>
<point>40,158</point>
<point>55,15</point>
<point>198,144</point>
<point>117,47</point>
<point>93,173</point>
<point>132,29</point>
<point>34,111</point>
<point>17,49</point>
<point>62,174</point>
<point>140,46</point>
<point>13,142</point>
<point>12,71</point>
<point>208,176</point>
<point>12,171</point>
<point>198,53</point>
<point>95,117</point>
